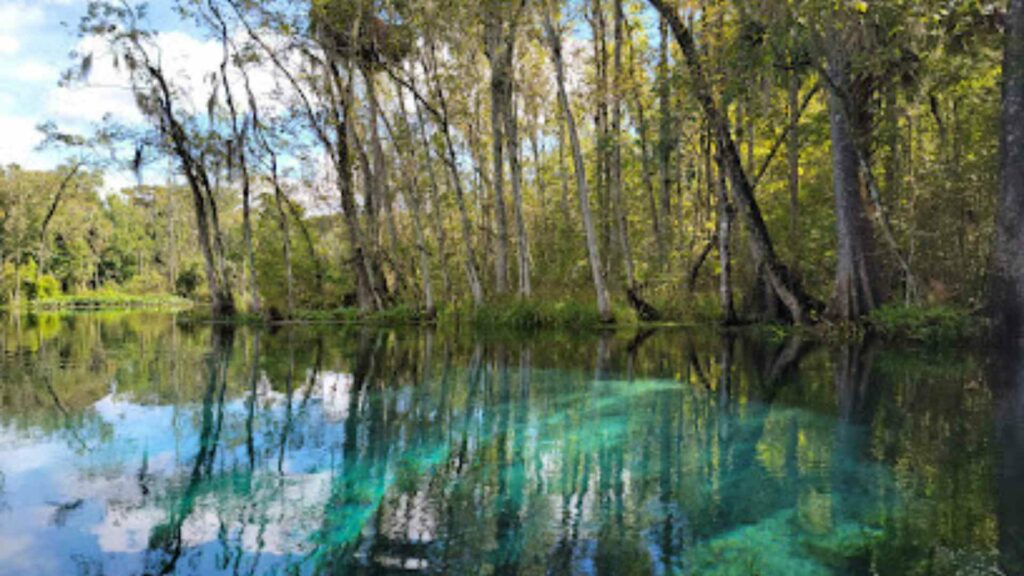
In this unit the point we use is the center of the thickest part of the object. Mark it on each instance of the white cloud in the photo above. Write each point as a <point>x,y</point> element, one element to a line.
<point>9,45</point>
<point>187,62</point>
<point>19,140</point>
<point>35,71</point>
<point>18,16</point>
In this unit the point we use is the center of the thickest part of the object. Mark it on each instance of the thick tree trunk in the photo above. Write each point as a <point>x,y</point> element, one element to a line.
<point>593,251</point>
<point>856,293</point>
<point>499,90</point>
<point>1007,291</point>
<point>797,302</point>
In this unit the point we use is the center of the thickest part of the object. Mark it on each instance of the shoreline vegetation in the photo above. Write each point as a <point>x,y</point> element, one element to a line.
<point>924,324</point>
<point>818,168</point>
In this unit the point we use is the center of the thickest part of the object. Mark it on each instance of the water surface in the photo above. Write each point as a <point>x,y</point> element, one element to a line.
<point>129,445</point>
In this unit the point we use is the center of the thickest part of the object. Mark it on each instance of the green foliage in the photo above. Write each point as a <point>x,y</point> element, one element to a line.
<point>519,314</point>
<point>149,282</point>
<point>108,298</point>
<point>924,323</point>
<point>187,282</point>
<point>47,287</point>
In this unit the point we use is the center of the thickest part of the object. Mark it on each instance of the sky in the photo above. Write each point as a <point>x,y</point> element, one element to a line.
<point>37,38</point>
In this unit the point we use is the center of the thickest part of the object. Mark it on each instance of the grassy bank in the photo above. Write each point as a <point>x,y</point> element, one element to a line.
<point>107,300</point>
<point>918,324</point>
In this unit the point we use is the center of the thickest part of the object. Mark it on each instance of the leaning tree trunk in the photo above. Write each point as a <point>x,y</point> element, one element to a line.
<point>593,251</point>
<point>1007,295</point>
<point>239,142</point>
<point>783,284</point>
<point>855,291</point>
<point>472,273</point>
<point>437,219</point>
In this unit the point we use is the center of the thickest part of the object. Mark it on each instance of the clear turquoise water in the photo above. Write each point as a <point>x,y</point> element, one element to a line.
<point>130,445</point>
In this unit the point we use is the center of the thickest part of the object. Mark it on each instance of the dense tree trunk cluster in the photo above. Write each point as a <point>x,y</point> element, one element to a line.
<point>454,138</point>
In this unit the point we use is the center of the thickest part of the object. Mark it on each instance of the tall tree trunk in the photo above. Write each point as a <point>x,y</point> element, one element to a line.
<point>563,171</point>
<point>221,300</point>
<point>472,275</point>
<point>724,233</point>
<point>411,168</point>
<point>648,179</point>
<point>378,201</point>
<point>616,151</point>
<point>240,141</point>
<point>855,292</point>
<point>58,196</point>
<point>783,284</point>
<point>511,133</point>
<point>593,251</point>
<point>437,214</point>
<point>538,180</point>
<point>367,296</point>
<point>1007,296</point>
<point>493,28</point>
<point>602,174</point>
<point>793,153</point>
<point>666,139</point>
<point>286,242</point>
<point>515,171</point>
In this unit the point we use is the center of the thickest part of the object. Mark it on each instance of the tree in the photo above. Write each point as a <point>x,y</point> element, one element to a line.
<point>798,303</point>
<point>593,251</point>
<point>1007,297</point>
<point>856,291</point>
<point>120,28</point>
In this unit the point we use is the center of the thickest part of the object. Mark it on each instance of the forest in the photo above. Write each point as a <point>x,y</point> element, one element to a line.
<point>602,160</point>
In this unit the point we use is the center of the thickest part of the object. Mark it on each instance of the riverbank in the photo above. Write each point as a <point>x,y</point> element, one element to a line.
<point>919,323</point>
<point>104,300</point>
<point>927,324</point>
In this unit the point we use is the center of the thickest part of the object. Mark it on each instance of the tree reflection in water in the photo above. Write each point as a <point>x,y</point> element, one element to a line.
<point>334,450</point>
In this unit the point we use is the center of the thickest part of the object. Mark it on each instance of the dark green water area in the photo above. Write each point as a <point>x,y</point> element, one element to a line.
<point>130,444</point>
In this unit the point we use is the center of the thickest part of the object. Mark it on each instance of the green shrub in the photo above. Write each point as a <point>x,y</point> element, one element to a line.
<point>47,287</point>
<point>519,314</point>
<point>923,323</point>
<point>187,282</point>
<point>150,282</point>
